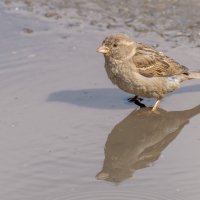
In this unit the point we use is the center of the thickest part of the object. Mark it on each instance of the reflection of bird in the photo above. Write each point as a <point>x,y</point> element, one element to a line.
<point>140,69</point>
<point>139,139</point>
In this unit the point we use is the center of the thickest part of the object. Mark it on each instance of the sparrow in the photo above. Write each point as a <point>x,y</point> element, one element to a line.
<point>140,69</point>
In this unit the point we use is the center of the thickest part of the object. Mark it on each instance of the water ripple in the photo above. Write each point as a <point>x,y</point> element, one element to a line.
<point>119,194</point>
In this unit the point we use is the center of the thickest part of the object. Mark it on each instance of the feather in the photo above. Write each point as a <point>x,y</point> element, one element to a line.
<point>151,63</point>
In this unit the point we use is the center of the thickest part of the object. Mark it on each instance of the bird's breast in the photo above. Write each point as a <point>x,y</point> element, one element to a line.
<point>122,75</point>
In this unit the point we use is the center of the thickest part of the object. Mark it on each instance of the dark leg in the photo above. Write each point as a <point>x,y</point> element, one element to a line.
<point>134,99</point>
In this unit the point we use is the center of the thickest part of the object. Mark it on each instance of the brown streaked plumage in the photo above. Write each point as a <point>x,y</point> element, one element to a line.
<point>140,69</point>
<point>153,63</point>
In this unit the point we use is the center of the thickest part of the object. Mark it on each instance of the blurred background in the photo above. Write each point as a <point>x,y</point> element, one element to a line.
<point>173,20</point>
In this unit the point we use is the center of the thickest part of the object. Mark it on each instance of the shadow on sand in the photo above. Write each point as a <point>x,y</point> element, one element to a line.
<point>104,98</point>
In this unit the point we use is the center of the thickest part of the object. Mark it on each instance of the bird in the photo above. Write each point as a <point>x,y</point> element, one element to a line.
<point>142,70</point>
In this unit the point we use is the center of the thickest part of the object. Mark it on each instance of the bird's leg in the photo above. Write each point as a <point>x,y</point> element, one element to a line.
<point>135,98</point>
<point>141,99</point>
<point>156,105</point>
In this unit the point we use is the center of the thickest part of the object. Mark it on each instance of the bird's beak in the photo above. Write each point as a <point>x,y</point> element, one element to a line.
<point>103,49</point>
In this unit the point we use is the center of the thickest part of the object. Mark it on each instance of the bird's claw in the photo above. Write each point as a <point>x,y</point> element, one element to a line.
<point>133,99</point>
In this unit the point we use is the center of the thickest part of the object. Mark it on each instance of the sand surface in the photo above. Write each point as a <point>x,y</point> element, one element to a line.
<point>66,132</point>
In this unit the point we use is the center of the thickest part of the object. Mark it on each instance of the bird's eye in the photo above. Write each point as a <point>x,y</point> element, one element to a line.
<point>115,45</point>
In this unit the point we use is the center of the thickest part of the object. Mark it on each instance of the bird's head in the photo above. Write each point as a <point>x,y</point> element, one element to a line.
<point>118,47</point>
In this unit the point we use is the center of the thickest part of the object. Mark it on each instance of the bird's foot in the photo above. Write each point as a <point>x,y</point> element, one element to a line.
<point>135,98</point>
<point>138,103</point>
<point>155,107</point>
<point>156,112</point>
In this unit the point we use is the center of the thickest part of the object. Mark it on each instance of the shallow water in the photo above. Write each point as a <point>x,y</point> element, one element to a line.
<point>67,133</point>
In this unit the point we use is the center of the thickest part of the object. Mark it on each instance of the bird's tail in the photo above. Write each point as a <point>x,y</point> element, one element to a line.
<point>194,75</point>
<point>191,112</point>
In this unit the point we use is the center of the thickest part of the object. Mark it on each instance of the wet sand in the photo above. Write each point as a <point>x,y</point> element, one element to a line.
<point>66,131</point>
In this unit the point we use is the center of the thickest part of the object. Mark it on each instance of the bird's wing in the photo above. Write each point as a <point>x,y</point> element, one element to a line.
<point>151,63</point>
